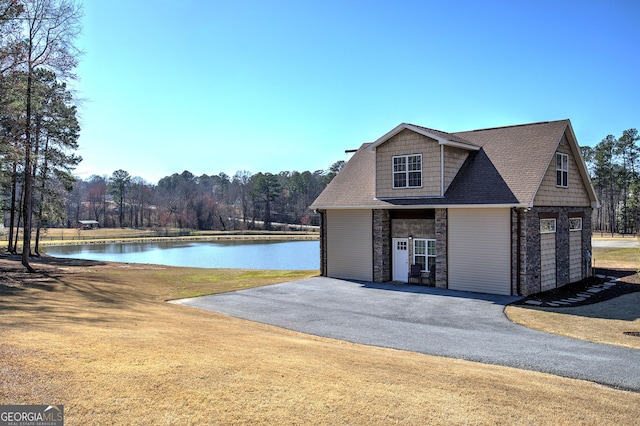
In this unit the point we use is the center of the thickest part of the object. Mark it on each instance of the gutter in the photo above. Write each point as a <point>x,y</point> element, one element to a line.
<point>441,170</point>
<point>423,206</point>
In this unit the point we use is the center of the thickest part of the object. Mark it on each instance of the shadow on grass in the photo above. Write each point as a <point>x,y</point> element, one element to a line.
<point>52,295</point>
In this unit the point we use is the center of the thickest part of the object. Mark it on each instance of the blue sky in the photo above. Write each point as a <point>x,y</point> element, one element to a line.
<point>222,86</point>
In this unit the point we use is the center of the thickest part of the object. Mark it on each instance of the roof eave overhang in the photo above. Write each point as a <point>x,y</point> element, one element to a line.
<point>582,167</point>
<point>459,145</point>
<point>423,132</point>
<point>390,206</point>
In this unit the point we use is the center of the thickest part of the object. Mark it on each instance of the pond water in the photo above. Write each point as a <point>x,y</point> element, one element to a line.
<point>282,255</point>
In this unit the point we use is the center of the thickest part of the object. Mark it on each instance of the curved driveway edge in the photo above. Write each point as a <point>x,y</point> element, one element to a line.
<point>454,324</point>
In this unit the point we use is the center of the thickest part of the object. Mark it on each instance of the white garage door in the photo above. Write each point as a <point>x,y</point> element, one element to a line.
<point>480,250</point>
<point>350,244</point>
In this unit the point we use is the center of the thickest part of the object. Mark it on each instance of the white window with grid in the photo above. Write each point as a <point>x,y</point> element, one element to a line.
<point>562,170</point>
<point>424,253</point>
<point>407,171</point>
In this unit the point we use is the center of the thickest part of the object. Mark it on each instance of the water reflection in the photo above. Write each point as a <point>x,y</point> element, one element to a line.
<point>295,255</point>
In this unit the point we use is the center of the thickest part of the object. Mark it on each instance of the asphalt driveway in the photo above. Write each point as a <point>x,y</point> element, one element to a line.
<point>432,321</point>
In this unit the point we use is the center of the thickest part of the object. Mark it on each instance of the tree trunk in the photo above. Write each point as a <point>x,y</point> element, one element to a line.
<point>15,241</point>
<point>27,205</point>
<point>12,215</point>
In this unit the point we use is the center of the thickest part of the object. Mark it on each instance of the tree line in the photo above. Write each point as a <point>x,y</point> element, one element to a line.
<point>243,201</point>
<point>39,128</point>
<point>615,173</point>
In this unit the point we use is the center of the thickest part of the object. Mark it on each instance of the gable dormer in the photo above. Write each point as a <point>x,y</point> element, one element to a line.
<point>415,162</point>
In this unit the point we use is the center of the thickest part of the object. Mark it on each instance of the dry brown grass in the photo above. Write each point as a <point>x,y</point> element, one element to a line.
<point>616,258</point>
<point>604,322</point>
<point>101,341</point>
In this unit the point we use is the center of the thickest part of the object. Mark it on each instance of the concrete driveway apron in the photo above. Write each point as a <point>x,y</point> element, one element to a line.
<point>470,326</point>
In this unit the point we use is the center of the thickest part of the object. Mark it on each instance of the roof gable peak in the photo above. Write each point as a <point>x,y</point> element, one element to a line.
<point>443,138</point>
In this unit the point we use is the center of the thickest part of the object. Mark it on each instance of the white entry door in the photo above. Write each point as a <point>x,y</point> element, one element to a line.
<point>400,259</point>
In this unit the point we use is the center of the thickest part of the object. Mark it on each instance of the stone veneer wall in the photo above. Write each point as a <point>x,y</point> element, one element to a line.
<point>416,228</point>
<point>530,245</point>
<point>323,242</point>
<point>441,248</point>
<point>381,245</point>
<point>519,251</point>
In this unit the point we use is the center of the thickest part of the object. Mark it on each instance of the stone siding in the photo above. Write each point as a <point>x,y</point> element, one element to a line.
<point>416,228</point>
<point>530,256</point>
<point>441,248</point>
<point>381,245</point>
<point>323,243</point>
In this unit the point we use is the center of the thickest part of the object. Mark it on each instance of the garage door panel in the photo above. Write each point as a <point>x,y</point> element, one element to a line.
<point>547,261</point>
<point>350,244</point>
<point>575,256</point>
<point>480,250</point>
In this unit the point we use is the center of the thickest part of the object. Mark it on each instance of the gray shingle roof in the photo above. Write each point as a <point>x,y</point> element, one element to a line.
<point>450,136</point>
<point>521,154</point>
<point>354,185</point>
<point>507,170</point>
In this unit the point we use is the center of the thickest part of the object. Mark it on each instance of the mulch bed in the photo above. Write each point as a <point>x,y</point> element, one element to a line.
<point>628,282</point>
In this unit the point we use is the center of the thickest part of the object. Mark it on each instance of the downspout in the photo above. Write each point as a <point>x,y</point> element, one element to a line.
<point>442,170</point>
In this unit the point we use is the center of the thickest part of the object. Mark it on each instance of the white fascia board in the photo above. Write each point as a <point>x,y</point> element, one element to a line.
<point>356,207</point>
<point>460,145</point>
<point>382,139</point>
<point>426,206</point>
<point>421,131</point>
<point>577,156</point>
<point>582,166</point>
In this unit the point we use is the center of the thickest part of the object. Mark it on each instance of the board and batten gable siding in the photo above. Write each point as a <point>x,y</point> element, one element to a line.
<point>408,143</point>
<point>479,250</point>
<point>350,244</point>
<point>575,195</point>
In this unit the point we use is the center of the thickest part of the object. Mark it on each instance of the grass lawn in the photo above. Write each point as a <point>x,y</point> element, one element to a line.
<point>616,258</point>
<point>604,322</point>
<point>99,339</point>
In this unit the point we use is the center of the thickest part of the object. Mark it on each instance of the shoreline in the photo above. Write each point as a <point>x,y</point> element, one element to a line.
<point>240,237</point>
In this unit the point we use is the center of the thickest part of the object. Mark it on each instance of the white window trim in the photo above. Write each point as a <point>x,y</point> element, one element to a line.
<point>579,228</point>
<point>426,249</point>
<point>562,169</point>
<point>549,221</point>
<point>406,171</point>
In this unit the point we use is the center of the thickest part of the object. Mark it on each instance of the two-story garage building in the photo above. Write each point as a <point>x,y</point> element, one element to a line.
<point>504,210</point>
